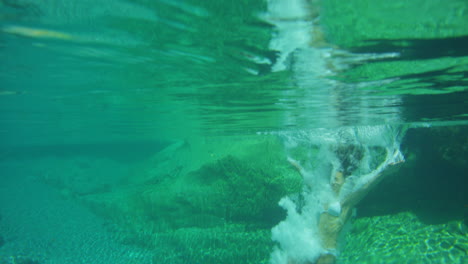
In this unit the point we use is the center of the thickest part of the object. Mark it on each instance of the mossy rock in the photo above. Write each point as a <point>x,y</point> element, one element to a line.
<point>245,192</point>
<point>221,212</point>
<point>229,189</point>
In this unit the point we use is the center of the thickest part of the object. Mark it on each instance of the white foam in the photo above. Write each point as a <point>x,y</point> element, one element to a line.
<point>297,236</point>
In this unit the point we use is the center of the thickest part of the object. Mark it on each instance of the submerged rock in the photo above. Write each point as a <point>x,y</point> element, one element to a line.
<point>385,239</point>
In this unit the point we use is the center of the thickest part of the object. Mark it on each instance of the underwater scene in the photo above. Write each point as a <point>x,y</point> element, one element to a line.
<point>232,132</point>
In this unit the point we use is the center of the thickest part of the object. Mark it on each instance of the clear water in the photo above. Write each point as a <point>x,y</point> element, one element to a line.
<point>92,93</point>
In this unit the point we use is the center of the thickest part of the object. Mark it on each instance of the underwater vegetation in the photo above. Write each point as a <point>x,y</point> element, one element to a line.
<point>216,202</point>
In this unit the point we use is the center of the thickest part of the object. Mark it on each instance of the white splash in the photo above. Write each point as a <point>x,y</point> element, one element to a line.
<point>338,165</point>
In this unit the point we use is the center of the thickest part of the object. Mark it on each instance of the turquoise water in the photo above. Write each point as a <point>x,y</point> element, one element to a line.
<point>167,131</point>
